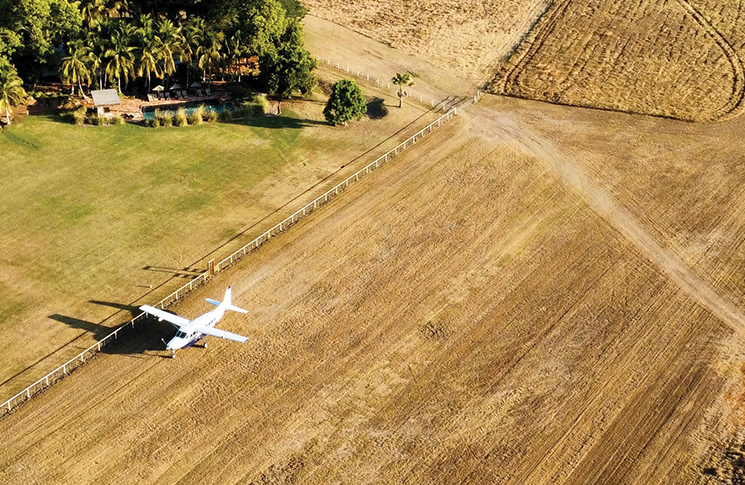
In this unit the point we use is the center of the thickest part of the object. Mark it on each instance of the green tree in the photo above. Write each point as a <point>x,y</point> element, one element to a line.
<point>345,104</point>
<point>75,67</point>
<point>38,25</point>
<point>189,41</point>
<point>11,88</point>
<point>234,50</point>
<point>401,80</point>
<point>288,68</point>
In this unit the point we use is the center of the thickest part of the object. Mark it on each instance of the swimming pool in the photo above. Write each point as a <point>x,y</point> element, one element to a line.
<point>148,112</point>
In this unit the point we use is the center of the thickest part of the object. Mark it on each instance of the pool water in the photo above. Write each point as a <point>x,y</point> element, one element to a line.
<point>148,112</point>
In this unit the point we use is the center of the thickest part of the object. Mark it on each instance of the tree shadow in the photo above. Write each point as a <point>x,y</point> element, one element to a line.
<point>376,108</point>
<point>278,122</point>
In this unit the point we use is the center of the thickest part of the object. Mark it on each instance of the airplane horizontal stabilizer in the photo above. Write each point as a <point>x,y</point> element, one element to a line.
<point>214,302</point>
<point>236,309</point>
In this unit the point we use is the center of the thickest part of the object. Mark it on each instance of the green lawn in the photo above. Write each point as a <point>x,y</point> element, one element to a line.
<point>91,217</point>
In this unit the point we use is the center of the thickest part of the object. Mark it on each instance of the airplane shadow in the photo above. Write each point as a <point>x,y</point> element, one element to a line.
<point>143,339</point>
<point>132,309</point>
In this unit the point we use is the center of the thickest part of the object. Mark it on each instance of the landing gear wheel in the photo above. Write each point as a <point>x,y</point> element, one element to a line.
<point>205,343</point>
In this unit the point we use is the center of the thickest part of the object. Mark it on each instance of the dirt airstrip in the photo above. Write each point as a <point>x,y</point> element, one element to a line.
<point>540,294</point>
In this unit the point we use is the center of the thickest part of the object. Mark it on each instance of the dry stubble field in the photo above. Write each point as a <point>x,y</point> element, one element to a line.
<point>541,298</point>
<point>680,59</point>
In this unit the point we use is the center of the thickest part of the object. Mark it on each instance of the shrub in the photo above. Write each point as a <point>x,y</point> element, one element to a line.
<point>345,104</point>
<point>118,120</point>
<point>226,115</point>
<point>154,123</point>
<point>161,118</point>
<point>79,116</point>
<point>239,91</point>
<point>97,120</point>
<point>197,118</point>
<point>262,104</point>
<point>210,115</point>
<point>181,119</point>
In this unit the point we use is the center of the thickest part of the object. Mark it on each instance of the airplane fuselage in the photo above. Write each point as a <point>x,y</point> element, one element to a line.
<point>188,335</point>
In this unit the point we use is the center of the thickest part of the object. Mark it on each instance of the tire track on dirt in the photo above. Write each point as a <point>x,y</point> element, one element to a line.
<point>620,218</point>
<point>735,105</point>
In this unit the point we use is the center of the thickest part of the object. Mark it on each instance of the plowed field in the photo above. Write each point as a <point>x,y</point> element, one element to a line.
<point>679,59</point>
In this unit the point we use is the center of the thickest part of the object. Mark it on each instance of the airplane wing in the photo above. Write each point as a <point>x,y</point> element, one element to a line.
<point>216,332</point>
<point>175,320</point>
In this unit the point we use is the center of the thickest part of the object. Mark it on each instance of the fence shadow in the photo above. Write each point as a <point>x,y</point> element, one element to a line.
<point>176,272</point>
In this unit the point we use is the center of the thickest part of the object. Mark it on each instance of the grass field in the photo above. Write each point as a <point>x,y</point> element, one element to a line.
<point>679,59</point>
<point>100,219</point>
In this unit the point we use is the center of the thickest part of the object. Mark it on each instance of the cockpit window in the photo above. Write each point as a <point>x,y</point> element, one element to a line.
<point>180,334</point>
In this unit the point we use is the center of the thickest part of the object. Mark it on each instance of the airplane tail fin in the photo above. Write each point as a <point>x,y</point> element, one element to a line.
<point>227,302</point>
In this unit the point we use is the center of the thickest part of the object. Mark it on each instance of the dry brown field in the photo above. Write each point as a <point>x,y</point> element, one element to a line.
<point>680,59</point>
<point>539,294</point>
<point>470,37</point>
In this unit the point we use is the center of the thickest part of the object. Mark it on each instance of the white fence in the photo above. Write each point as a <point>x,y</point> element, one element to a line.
<point>88,353</point>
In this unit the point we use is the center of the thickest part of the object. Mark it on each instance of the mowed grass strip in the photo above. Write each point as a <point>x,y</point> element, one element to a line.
<point>97,220</point>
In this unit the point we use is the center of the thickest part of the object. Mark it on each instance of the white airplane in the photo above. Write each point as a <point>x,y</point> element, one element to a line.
<point>192,331</point>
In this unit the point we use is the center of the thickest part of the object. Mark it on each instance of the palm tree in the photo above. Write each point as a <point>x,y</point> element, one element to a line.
<point>189,38</point>
<point>148,51</point>
<point>75,66</point>
<point>99,42</point>
<point>168,44</point>
<point>401,80</point>
<point>210,52</point>
<point>121,55</point>
<point>11,88</point>
<point>235,50</point>
<point>93,11</point>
